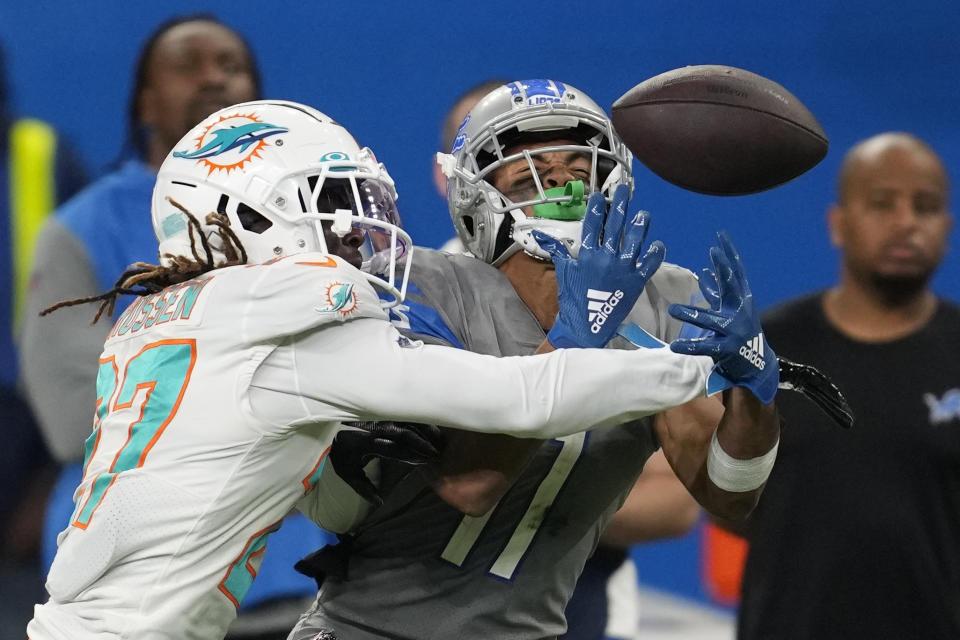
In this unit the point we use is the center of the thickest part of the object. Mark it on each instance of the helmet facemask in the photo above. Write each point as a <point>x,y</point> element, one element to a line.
<point>556,211</point>
<point>346,200</point>
<point>493,225</point>
<point>312,189</point>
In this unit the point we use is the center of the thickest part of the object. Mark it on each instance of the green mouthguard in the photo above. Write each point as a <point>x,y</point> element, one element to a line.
<point>572,210</point>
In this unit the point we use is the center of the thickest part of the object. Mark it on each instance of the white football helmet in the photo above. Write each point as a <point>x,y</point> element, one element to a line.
<point>281,173</point>
<point>491,226</point>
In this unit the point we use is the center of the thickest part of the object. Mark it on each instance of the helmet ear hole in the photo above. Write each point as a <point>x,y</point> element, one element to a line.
<point>468,225</point>
<point>504,237</point>
<point>251,219</point>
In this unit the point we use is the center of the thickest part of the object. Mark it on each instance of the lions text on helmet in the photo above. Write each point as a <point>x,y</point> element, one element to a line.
<point>571,129</point>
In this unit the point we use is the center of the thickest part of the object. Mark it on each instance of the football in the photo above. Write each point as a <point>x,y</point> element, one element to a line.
<point>719,130</point>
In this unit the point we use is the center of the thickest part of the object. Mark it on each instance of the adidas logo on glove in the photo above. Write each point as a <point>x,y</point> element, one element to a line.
<point>600,305</point>
<point>753,351</point>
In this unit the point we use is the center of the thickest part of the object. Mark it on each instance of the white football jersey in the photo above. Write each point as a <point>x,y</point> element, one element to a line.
<point>183,481</point>
<point>218,399</point>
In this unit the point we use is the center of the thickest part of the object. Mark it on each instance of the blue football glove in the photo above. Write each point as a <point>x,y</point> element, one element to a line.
<point>599,288</point>
<point>735,338</point>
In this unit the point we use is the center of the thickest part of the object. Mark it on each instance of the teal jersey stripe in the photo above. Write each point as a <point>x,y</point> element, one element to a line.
<point>163,369</point>
<point>241,573</point>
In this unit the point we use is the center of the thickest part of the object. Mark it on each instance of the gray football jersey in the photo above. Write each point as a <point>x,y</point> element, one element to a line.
<point>417,568</point>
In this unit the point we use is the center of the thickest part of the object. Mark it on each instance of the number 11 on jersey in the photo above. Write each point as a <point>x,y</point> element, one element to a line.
<point>505,565</point>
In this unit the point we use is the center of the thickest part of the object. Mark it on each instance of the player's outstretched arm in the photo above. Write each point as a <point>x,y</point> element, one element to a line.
<point>477,469</point>
<point>543,396</point>
<point>725,468</point>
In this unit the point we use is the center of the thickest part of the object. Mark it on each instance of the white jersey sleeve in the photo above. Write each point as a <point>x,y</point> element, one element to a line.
<point>333,504</point>
<point>365,370</point>
<point>302,292</point>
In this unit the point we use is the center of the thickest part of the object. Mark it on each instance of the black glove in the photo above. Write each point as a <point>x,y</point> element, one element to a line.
<point>404,442</point>
<point>329,560</point>
<point>815,385</point>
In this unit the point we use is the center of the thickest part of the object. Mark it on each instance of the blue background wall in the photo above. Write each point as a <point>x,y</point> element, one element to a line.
<point>389,70</point>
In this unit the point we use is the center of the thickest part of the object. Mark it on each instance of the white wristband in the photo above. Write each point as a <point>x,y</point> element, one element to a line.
<point>732,474</point>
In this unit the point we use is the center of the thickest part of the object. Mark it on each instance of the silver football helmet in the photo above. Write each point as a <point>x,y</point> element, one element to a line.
<point>283,175</point>
<point>493,226</point>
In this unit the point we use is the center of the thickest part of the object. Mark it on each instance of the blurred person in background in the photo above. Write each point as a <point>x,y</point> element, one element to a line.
<point>189,67</point>
<point>38,170</point>
<point>857,534</point>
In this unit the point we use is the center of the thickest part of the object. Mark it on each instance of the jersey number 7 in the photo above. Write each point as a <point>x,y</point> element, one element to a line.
<point>505,565</point>
<point>149,391</point>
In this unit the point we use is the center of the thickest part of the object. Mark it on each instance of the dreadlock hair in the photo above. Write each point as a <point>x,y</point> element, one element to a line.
<point>142,278</point>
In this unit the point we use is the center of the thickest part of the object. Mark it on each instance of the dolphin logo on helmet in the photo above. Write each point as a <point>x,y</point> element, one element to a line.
<point>226,139</point>
<point>281,199</point>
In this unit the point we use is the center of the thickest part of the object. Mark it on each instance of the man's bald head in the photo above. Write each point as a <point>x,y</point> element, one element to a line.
<point>892,218</point>
<point>867,153</point>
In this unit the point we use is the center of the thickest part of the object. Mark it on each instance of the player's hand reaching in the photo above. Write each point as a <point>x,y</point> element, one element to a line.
<point>406,442</point>
<point>599,288</point>
<point>735,338</point>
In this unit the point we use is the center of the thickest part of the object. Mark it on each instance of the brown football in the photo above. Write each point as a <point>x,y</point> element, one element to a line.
<point>719,130</point>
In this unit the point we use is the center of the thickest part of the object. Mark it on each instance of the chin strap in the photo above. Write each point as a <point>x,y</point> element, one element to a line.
<point>566,232</point>
<point>561,218</point>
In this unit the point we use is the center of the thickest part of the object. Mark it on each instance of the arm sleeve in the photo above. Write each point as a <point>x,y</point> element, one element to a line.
<point>332,504</point>
<point>359,370</point>
<point>59,352</point>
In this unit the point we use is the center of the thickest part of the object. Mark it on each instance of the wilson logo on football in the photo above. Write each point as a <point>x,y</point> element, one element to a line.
<point>600,305</point>
<point>340,298</point>
<point>231,142</point>
<point>753,351</point>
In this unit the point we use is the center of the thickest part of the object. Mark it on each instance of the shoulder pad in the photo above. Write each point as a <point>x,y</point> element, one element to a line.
<point>301,292</point>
